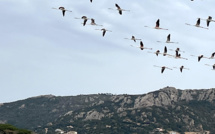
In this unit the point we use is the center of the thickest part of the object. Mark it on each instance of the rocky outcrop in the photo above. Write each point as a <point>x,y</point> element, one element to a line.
<point>170,95</point>
<point>94,115</point>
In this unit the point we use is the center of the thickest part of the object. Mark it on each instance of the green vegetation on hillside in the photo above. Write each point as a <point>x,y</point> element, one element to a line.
<point>6,127</point>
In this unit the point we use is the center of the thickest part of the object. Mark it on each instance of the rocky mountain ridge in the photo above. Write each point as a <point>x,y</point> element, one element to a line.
<point>139,113</point>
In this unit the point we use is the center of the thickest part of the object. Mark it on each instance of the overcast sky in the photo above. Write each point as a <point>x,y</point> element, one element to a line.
<point>42,52</point>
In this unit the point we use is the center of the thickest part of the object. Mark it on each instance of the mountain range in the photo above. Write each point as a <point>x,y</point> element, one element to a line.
<point>162,111</point>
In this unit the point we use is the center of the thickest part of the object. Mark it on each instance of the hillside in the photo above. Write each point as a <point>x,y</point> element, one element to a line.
<point>167,108</point>
<point>6,128</point>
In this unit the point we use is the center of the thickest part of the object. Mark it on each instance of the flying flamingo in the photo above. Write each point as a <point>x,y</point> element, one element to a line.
<point>93,23</point>
<point>213,66</point>
<point>84,18</point>
<point>165,51</point>
<point>156,52</point>
<point>142,46</point>
<point>208,20</point>
<point>168,40</point>
<point>200,57</point>
<point>104,31</point>
<point>157,26</point>
<point>197,24</point>
<point>132,38</point>
<point>62,9</point>
<point>119,9</point>
<point>212,55</point>
<point>178,56</point>
<point>181,68</point>
<point>163,68</point>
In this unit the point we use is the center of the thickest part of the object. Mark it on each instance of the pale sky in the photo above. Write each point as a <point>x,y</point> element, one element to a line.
<point>42,52</point>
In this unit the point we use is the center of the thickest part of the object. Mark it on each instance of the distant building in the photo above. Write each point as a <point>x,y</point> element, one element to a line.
<point>59,131</point>
<point>72,132</point>
<point>159,129</point>
<point>173,132</point>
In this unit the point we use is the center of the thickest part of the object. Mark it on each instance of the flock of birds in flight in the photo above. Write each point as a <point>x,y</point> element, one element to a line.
<point>157,26</point>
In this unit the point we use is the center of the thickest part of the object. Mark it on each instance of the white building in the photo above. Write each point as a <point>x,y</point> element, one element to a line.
<point>72,132</point>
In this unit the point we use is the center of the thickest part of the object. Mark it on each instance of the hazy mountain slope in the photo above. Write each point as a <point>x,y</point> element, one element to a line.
<point>39,111</point>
